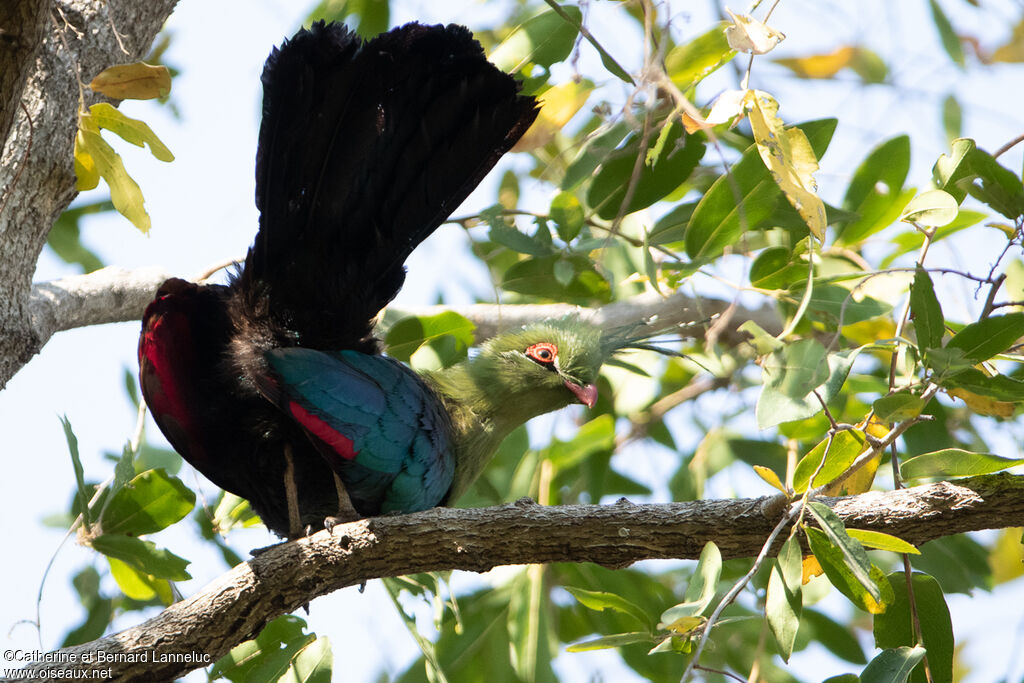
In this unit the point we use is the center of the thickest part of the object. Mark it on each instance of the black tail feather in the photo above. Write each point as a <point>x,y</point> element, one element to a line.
<point>365,148</point>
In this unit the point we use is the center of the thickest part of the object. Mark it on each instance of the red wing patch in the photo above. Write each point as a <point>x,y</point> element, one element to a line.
<point>341,444</point>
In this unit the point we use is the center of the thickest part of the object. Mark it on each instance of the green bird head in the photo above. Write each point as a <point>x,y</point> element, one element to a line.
<point>519,375</point>
<point>547,365</point>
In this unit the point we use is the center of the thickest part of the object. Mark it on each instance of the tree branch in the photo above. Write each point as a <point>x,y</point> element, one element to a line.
<point>236,606</point>
<point>46,52</point>
<point>119,295</point>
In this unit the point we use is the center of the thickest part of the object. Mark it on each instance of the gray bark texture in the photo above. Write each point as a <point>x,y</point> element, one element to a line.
<point>48,50</point>
<point>238,604</point>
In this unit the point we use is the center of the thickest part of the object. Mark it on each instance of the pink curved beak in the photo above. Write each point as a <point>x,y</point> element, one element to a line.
<point>587,395</point>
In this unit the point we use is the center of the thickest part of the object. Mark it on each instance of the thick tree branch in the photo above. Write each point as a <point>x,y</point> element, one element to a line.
<point>119,295</point>
<point>237,605</point>
<point>47,50</point>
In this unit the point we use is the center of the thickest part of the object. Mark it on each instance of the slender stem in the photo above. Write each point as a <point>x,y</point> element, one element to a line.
<point>737,587</point>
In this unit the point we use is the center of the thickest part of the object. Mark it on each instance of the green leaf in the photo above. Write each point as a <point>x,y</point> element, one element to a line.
<point>841,575</point>
<point>953,173</point>
<point>690,63</point>
<point>567,213</point>
<point>845,446</point>
<point>408,334</point>
<point>150,502</point>
<point>837,306</point>
<point>655,180</point>
<point>929,323</point>
<point>912,240</point>
<point>606,642</point>
<point>280,639</point>
<point>892,666</point>
<point>542,40</point>
<point>854,557</point>
<point>792,373</point>
<point>597,148</point>
<point>575,19</point>
<point>507,235</point>
<point>99,609</point>
<point>143,556</point>
<point>136,584</point>
<point>950,40</point>
<point>701,589</point>
<point>591,438</point>
<point>875,190</point>
<point>955,462</point>
<point>835,637</point>
<point>736,202</point>
<point>536,277</point>
<point>999,187</point>
<point>784,598</point>
<point>314,663</point>
<point>998,387</point>
<point>373,17</point>
<point>65,238</point>
<point>602,600</point>
<point>83,493</point>
<point>898,407</point>
<point>932,208</point>
<point>952,117</point>
<point>984,339</point>
<point>882,541</point>
<point>672,226</point>
<point>776,268</point>
<point>819,133</point>
<point>893,629</point>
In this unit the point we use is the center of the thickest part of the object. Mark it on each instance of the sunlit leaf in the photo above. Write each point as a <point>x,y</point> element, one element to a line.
<point>747,34</point>
<point>882,541</point>
<point>788,155</point>
<point>895,629</point>
<point>138,81</point>
<point>932,208</point>
<point>955,462</point>
<point>691,62</point>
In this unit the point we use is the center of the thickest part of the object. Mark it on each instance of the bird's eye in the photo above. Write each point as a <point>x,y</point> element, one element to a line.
<point>543,353</point>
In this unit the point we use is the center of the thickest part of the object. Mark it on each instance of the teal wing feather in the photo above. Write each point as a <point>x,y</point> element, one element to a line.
<point>380,427</point>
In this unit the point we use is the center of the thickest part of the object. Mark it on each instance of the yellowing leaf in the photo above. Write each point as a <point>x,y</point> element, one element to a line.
<point>770,477</point>
<point>1013,50</point>
<point>87,177</point>
<point>820,66</point>
<point>810,568</point>
<point>94,158</point>
<point>558,104</point>
<point>138,81</point>
<point>728,107</point>
<point>124,192</point>
<point>789,157</point>
<point>983,405</point>
<point>747,34</point>
<point>103,115</point>
<point>858,482</point>
<point>882,541</point>
<point>684,625</point>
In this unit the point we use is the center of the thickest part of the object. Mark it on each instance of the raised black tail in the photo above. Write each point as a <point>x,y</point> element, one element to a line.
<point>365,148</point>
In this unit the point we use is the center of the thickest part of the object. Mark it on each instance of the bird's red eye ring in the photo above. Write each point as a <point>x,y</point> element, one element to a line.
<point>543,353</point>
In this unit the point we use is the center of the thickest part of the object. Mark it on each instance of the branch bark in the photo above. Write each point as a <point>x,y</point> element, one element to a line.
<point>120,295</point>
<point>47,50</point>
<point>236,606</point>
